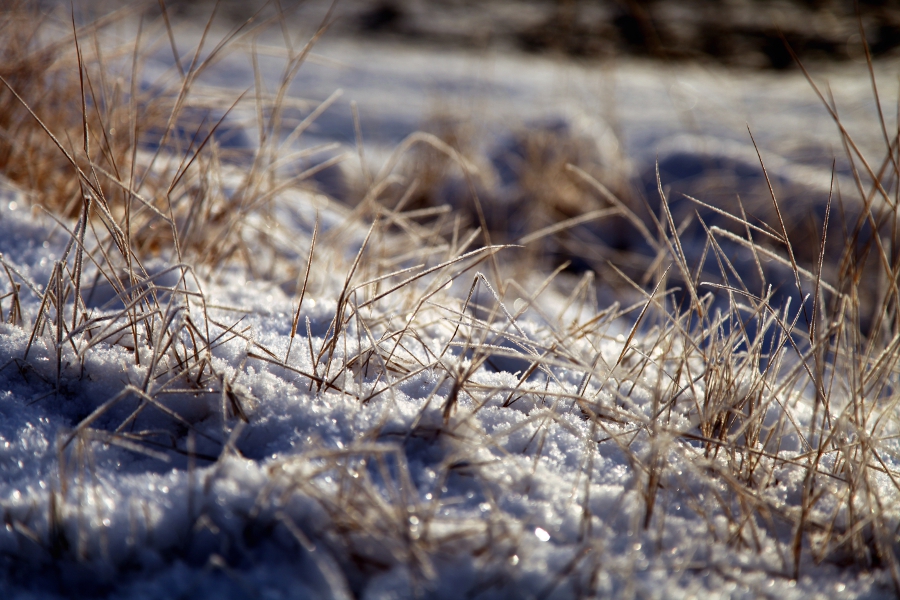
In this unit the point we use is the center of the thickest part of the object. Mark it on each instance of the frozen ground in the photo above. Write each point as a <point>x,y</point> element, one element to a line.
<point>403,444</point>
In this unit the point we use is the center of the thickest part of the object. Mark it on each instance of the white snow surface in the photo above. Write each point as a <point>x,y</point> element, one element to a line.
<point>523,485</point>
<point>333,492</point>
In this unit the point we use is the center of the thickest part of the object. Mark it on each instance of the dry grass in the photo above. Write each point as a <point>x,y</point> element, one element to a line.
<point>725,416</point>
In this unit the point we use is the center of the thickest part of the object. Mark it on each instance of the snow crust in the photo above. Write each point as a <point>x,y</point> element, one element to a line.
<point>254,511</point>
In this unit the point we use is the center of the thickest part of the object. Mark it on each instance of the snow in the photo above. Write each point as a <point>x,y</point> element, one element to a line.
<point>391,483</point>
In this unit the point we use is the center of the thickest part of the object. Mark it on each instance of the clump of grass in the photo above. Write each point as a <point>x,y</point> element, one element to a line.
<point>773,426</point>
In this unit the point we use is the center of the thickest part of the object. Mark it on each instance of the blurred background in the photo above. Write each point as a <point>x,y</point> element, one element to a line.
<point>650,101</point>
<point>746,33</point>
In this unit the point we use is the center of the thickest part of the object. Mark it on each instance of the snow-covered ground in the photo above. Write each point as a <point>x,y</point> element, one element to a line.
<point>402,442</point>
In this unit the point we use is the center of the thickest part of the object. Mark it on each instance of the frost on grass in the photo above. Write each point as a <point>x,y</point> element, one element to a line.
<point>217,383</point>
